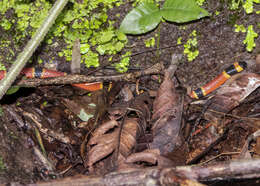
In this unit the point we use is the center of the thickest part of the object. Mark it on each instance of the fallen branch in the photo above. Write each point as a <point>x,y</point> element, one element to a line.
<point>162,176</point>
<point>72,79</point>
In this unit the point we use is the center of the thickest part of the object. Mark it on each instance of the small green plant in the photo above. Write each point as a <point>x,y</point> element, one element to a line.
<point>2,165</point>
<point>200,2</point>
<point>2,67</point>
<point>250,38</point>
<point>124,62</point>
<point>1,111</point>
<point>179,41</point>
<point>6,24</point>
<point>240,28</point>
<point>190,47</point>
<point>148,15</point>
<point>12,90</point>
<point>149,42</point>
<point>248,5</point>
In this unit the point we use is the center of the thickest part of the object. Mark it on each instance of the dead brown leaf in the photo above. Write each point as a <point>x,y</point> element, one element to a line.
<point>148,155</point>
<point>105,141</point>
<point>167,109</point>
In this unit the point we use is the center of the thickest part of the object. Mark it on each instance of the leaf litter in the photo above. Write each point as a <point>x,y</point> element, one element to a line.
<point>126,128</point>
<point>130,129</point>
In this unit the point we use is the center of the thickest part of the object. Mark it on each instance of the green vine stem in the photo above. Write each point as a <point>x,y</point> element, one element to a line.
<point>31,46</point>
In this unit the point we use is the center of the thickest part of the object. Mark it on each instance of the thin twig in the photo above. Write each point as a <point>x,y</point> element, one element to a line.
<point>73,79</point>
<point>249,168</point>
<point>232,115</point>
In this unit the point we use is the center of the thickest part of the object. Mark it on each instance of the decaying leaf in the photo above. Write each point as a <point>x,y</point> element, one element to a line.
<point>126,93</point>
<point>105,141</point>
<point>102,143</point>
<point>167,110</point>
<point>133,127</point>
<point>83,111</point>
<point>148,155</point>
<point>151,156</point>
<point>130,133</point>
<point>141,105</point>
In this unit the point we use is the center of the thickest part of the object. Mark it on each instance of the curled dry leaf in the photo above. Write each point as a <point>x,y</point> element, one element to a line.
<point>103,129</point>
<point>129,135</point>
<point>148,155</point>
<point>105,140</point>
<point>234,92</point>
<point>167,110</point>
<point>151,156</point>
<point>102,144</point>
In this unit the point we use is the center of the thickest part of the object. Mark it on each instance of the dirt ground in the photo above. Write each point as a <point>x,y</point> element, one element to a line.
<point>218,45</point>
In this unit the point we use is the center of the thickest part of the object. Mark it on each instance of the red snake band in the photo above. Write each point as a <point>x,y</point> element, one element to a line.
<point>46,73</point>
<point>219,80</point>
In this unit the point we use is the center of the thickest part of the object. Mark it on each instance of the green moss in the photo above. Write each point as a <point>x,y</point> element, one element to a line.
<point>240,28</point>
<point>87,20</point>
<point>1,111</point>
<point>190,47</point>
<point>2,165</point>
<point>179,40</point>
<point>91,59</point>
<point>6,24</point>
<point>124,62</point>
<point>248,5</point>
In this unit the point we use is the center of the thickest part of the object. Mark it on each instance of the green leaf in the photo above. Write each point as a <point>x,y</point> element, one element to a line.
<point>119,46</point>
<point>84,116</point>
<point>250,38</point>
<point>141,19</point>
<point>101,49</point>
<point>12,90</point>
<point>106,37</point>
<point>181,11</point>
<point>84,48</point>
<point>121,36</point>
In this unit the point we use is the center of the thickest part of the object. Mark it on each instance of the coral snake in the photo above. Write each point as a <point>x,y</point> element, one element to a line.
<point>46,73</point>
<point>197,94</point>
<point>219,80</point>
